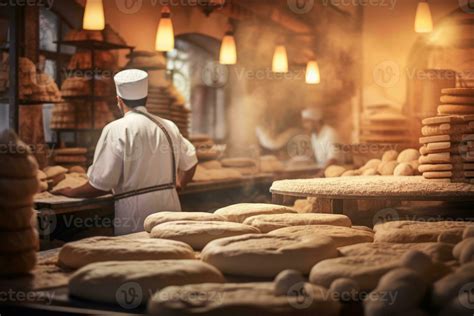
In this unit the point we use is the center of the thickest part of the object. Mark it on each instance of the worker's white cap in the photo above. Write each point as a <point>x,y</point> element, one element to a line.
<point>314,114</point>
<point>132,84</point>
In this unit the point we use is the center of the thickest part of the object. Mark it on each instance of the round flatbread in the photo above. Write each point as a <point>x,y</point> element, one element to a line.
<point>249,299</point>
<point>17,263</point>
<point>96,249</point>
<point>451,99</point>
<point>435,167</point>
<point>19,241</point>
<point>110,282</point>
<point>16,166</point>
<point>261,255</point>
<point>458,91</point>
<point>18,188</point>
<point>342,236</point>
<point>239,212</point>
<point>455,109</point>
<point>16,218</point>
<point>267,223</point>
<point>438,251</point>
<point>365,270</point>
<point>164,217</point>
<point>198,234</point>
<point>416,231</point>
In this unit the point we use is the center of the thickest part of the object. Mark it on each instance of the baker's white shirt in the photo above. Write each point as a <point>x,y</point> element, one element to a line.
<point>324,145</point>
<point>133,153</point>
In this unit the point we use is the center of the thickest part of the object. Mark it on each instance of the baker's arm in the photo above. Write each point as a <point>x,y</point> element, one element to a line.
<point>84,191</point>
<point>184,177</point>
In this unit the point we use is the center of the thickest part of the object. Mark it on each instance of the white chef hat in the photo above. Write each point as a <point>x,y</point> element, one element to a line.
<point>314,114</point>
<point>132,86</point>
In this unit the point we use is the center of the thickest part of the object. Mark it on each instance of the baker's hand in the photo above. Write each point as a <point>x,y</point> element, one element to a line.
<point>179,188</point>
<point>65,191</point>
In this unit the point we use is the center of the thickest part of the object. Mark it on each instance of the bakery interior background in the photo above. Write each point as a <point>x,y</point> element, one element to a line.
<point>368,53</point>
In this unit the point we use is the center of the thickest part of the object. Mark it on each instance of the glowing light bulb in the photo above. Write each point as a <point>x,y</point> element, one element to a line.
<point>423,20</point>
<point>165,33</point>
<point>312,73</point>
<point>228,52</point>
<point>280,60</point>
<point>94,19</point>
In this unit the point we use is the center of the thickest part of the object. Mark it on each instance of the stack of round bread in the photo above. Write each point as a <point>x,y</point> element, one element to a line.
<point>457,101</point>
<point>385,127</point>
<point>391,163</point>
<point>447,152</point>
<point>18,184</point>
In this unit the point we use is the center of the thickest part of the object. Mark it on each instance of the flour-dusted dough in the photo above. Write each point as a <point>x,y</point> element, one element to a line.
<point>104,281</point>
<point>342,236</point>
<point>16,218</point>
<point>390,155</point>
<point>365,270</point>
<point>164,217</point>
<point>17,263</point>
<point>403,169</point>
<point>54,171</point>
<point>267,223</point>
<point>416,231</point>
<point>198,234</point>
<point>232,299</point>
<point>386,168</point>
<point>96,249</point>
<point>18,241</point>
<point>441,252</point>
<point>371,164</point>
<point>239,212</point>
<point>261,255</point>
<point>408,155</point>
<point>334,171</point>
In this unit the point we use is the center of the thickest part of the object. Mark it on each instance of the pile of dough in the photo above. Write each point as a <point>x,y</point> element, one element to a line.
<point>252,299</point>
<point>267,223</point>
<point>71,180</point>
<point>365,270</point>
<point>109,282</point>
<point>334,171</point>
<point>266,255</point>
<point>342,236</point>
<point>441,252</point>
<point>239,212</point>
<point>96,249</point>
<point>417,231</point>
<point>19,182</point>
<point>198,234</point>
<point>164,217</point>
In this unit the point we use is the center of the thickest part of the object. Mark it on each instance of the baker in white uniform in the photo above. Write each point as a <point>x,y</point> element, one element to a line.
<point>142,159</point>
<point>323,137</point>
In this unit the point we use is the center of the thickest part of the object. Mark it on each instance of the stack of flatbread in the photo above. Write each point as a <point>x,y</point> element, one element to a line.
<point>447,152</point>
<point>457,101</point>
<point>168,103</point>
<point>384,128</point>
<point>18,184</point>
<point>68,157</point>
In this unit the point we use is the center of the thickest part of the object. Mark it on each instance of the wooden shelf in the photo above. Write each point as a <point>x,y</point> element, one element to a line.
<point>94,44</point>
